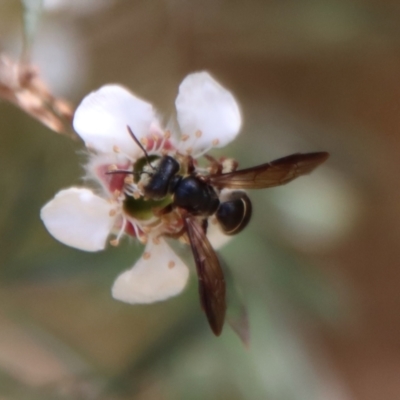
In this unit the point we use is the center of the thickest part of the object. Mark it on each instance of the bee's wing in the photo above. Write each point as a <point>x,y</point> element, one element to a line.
<point>274,173</point>
<point>210,275</point>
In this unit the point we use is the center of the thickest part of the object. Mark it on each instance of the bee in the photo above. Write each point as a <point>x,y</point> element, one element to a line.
<point>197,196</point>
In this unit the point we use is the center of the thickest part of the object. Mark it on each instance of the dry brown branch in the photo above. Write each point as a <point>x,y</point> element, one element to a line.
<point>21,85</point>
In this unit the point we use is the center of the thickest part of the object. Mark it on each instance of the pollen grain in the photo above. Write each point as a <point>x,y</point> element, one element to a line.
<point>114,242</point>
<point>167,134</point>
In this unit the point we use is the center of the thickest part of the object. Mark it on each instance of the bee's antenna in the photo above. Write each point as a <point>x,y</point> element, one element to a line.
<point>121,171</point>
<point>140,145</point>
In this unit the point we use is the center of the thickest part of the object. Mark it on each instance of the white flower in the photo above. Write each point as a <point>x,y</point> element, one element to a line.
<point>208,116</point>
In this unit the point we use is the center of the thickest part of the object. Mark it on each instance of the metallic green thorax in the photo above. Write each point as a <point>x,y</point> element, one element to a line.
<point>142,208</point>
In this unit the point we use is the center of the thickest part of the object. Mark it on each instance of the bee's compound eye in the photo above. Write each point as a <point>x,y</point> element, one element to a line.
<point>234,214</point>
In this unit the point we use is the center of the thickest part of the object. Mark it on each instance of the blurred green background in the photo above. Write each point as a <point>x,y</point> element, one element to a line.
<point>319,264</point>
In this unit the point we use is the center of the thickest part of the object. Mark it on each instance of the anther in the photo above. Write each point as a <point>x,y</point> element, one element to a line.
<point>198,134</point>
<point>183,239</point>
<point>112,212</point>
<point>112,167</point>
<point>189,150</point>
<point>116,149</point>
<point>129,179</point>
<point>143,239</point>
<point>146,255</point>
<point>144,141</point>
<point>215,142</point>
<point>156,240</point>
<point>171,264</point>
<point>184,138</point>
<point>114,242</point>
<point>167,134</point>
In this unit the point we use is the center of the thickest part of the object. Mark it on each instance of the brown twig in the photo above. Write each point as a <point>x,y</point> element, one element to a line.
<point>21,85</point>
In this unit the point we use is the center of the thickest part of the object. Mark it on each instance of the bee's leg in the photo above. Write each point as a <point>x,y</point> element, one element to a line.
<point>204,225</point>
<point>228,165</point>
<point>190,165</point>
<point>222,166</point>
<point>215,167</point>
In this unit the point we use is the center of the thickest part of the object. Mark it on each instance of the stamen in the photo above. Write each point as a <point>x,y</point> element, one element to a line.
<point>156,240</point>
<point>192,144</point>
<point>112,212</point>
<point>171,264</point>
<point>215,142</point>
<point>144,141</point>
<point>153,146</point>
<point>205,150</point>
<point>116,149</point>
<point>112,167</point>
<point>166,136</point>
<point>135,228</point>
<point>146,255</point>
<point>146,229</point>
<point>141,236</point>
<point>143,239</point>
<point>184,239</point>
<point>115,242</point>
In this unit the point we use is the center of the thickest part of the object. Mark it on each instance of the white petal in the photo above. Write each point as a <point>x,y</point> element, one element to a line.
<point>216,237</point>
<point>204,105</point>
<point>103,116</point>
<point>78,218</point>
<point>156,278</point>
